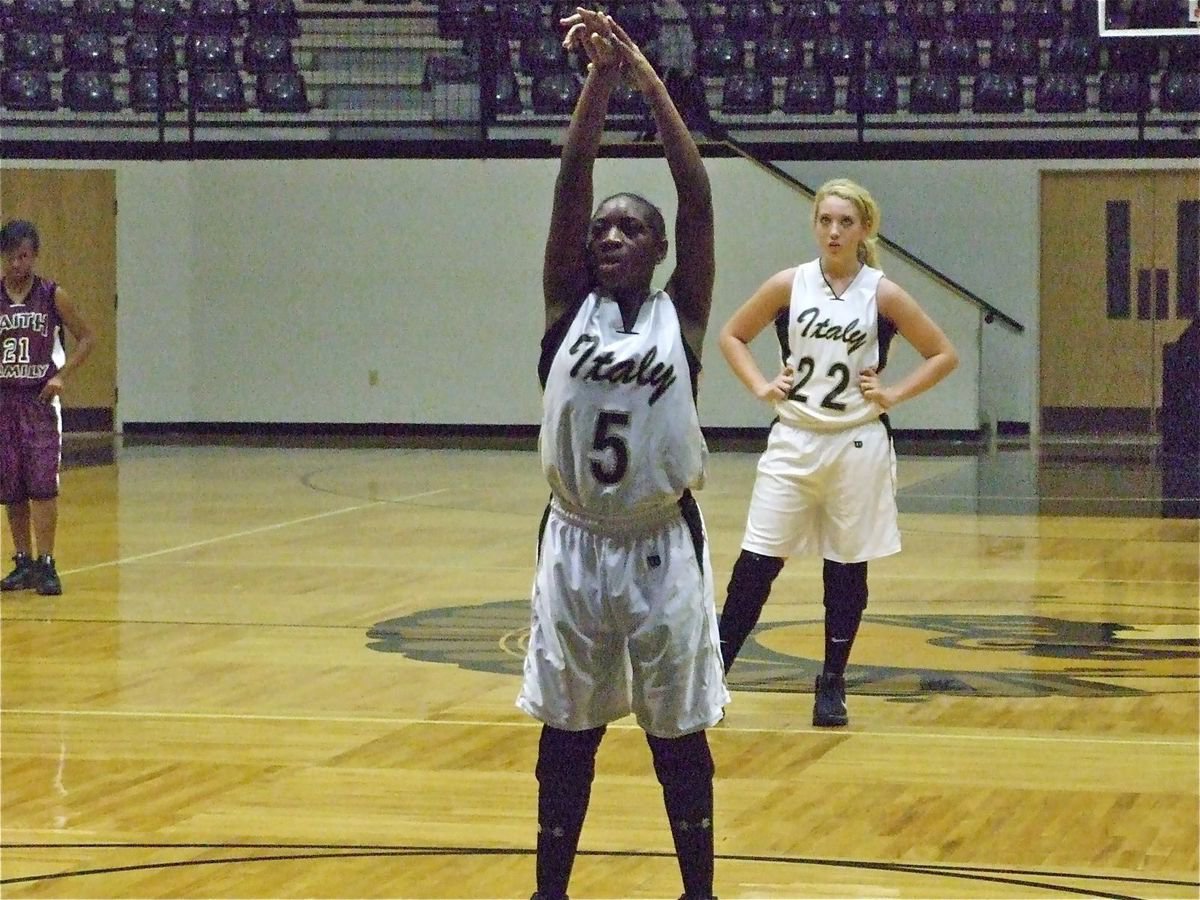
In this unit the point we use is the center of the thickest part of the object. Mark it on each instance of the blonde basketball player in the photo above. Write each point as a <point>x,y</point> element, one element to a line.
<point>623,618</point>
<point>826,482</point>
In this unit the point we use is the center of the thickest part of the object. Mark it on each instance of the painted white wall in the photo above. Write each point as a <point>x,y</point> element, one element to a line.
<point>299,278</point>
<point>267,290</point>
<point>156,279</point>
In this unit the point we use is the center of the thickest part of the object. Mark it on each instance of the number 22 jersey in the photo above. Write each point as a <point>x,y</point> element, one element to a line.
<point>828,341</point>
<point>620,433</point>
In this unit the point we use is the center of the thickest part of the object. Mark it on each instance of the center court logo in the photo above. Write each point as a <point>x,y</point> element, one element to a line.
<point>906,658</point>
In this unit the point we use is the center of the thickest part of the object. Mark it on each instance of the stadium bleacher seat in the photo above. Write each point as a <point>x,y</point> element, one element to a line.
<point>876,93</point>
<point>978,18</point>
<point>719,55</point>
<point>265,52</point>
<point>157,15</point>
<point>638,19</point>
<point>1179,92</point>
<point>922,19</point>
<point>1183,55</point>
<point>281,92</point>
<point>779,55</point>
<point>836,54</point>
<point>1124,92</point>
<point>520,19</point>
<point>804,20</point>
<point>1060,92</point>
<point>747,92</point>
<point>1132,55</point>
<point>89,91</point>
<point>150,50</point>
<point>99,15</point>
<point>540,54</point>
<point>998,92</point>
<point>28,49</point>
<point>27,89</point>
<point>954,53</point>
<point>215,15</point>
<point>274,17</point>
<point>749,20</point>
<point>865,19</point>
<point>508,93</point>
<point>1084,16</point>
<point>934,92</point>
<point>149,89</point>
<point>1040,18</point>
<point>809,92</point>
<point>1074,52</point>
<point>211,51</point>
<point>627,100</point>
<point>43,15</point>
<point>217,91</point>
<point>1159,14</point>
<point>1015,53</point>
<point>897,53</point>
<point>89,51</point>
<point>456,19</point>
<point>555,93</point>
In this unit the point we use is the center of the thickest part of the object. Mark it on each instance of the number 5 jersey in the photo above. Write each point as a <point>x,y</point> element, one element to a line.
<point>620,433</point>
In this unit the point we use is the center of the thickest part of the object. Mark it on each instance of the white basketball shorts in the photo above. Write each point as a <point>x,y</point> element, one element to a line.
<point>623,622</point>
<point>831,493</point>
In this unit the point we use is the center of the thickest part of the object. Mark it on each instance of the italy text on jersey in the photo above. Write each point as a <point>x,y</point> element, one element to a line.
<point>643,371</point>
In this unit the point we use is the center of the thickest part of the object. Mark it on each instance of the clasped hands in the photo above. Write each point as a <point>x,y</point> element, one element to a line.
<point>606,44</point>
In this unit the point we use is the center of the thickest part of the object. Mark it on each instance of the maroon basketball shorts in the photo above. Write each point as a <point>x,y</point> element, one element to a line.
<point>30,446</point>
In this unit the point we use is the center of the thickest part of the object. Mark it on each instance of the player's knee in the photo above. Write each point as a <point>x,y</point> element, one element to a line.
<point>682,760</point>
<point>845,585</point>
<point>753,575</point>
<point>567,755</point>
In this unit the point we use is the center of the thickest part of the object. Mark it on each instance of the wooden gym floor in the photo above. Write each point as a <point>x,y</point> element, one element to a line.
<point>290,672</point>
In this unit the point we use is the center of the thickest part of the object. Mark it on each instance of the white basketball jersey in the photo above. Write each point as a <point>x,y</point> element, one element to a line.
<point>620,434</point>
<point>829,341</point>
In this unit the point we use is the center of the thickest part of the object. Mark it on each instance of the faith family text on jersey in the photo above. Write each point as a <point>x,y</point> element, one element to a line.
<point>37,322</point>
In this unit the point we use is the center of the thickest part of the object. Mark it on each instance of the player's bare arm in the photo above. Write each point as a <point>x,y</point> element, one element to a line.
<point>691,283</point>
<point>565,272</point>
<point>84,338</point>
<point>915,326</point>
<point>764,305</point>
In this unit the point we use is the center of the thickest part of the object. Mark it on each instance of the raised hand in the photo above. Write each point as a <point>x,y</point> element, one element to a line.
<point>631,55</point>
<point>591,31</point>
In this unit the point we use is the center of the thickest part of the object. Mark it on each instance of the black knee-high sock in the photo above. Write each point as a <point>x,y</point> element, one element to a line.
<point>749,587</point>
<point>566,766</point>
<point>684,767</point>
<point>845,601</point>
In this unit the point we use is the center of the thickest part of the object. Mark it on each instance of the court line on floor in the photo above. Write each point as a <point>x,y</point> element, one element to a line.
<point>249,531</point>
<point>531,723</point>
<point>1030,498</point>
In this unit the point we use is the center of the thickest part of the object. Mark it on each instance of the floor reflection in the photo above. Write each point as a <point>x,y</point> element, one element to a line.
<point>1068,478</point>
<point>1057,482</point>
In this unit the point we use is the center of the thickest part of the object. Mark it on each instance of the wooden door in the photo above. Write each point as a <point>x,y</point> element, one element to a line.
<point>1118,266</point>
<point>1175,279</point>
<point>75,214</point>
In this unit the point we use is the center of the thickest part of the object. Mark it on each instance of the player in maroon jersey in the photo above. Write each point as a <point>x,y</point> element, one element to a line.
<point>33,364</point>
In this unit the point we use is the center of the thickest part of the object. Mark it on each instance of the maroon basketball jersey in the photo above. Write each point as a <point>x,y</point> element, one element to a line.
<point>31,349</point>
